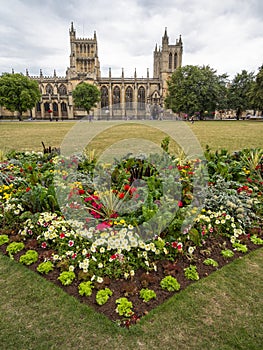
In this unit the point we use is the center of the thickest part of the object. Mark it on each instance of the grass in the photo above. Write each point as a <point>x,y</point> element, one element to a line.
<point>231,135</point>
<point>223,311</point>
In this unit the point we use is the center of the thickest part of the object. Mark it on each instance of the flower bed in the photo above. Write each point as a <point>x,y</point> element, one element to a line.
<point>125,237</point>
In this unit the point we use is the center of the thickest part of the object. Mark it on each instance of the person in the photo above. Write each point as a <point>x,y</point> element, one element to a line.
<point>192,119</point>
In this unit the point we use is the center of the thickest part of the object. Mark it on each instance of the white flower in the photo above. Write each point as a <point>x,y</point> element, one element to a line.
<point>191,250</point>
<point>99,279</point>
<point>71,268</point>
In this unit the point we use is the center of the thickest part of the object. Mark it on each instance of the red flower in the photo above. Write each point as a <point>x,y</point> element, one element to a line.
<point>62,235</point>
<point>179,246</point>
<point>70,243</point>
<point>44,245</point>
<point>28,189</point>
<point>174,244</point>
<point>180,204</point>
<point>126,187</point>
<point>81,192</point>
<point>114,257</point>
<point>121,195</point>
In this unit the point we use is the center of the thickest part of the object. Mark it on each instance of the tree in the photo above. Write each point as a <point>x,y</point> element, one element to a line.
<point>256,91</point>
<point>238,92</point>
<point>194,90</point>
<point>86,96</point>
<point>18,93</point>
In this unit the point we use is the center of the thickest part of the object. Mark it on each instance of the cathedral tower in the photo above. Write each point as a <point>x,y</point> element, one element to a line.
<point>167,58</point>
<point>84,61</point>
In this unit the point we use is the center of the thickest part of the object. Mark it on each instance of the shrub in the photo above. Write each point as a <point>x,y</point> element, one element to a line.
<point>170,283</point>
<point>66,277</point>
<point>191,273</point>
<point>210,262</point>
<point>29,258</point>
<point>103,295</point>
<point>240,247</point>
<point>45,267</point>
<point>85,288</point>
<point>227,253</point>
<point>124,307</point>
<point>14,248</point>
<point>3,239</point>
<point>147,294</point>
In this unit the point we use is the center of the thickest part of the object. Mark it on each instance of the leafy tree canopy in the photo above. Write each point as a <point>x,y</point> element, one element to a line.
<point>256,91</point>
<point>238,92</point>
<point>194,90</point>
<point>18,93</point>
<point>86,96</point>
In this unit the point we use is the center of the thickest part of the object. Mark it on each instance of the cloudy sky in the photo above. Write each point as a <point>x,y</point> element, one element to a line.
<point>227,35</point>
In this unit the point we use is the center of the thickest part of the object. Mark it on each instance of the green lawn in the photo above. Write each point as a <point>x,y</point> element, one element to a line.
<point>223,311</point>
<point>232,135</point>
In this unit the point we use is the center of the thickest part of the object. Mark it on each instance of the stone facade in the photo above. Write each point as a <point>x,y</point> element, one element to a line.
<point>120,97</point>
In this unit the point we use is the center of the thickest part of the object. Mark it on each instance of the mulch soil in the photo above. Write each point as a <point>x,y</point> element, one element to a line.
<point>131,288</point>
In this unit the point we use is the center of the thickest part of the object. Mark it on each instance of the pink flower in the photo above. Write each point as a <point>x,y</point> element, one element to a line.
<point>101,226</point>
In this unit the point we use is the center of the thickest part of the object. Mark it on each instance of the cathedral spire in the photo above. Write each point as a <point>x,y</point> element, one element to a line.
<point>180,39</point>
<point>165,40</point>
<point>72,31</point>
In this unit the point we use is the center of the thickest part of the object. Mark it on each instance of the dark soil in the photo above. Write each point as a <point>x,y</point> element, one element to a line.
<point>131,288</point>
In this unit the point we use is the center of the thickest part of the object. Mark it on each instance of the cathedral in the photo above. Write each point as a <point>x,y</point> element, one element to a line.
<point>120,97</point>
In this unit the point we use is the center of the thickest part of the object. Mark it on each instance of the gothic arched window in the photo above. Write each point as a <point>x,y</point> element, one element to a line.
<point>104,97</point>
<point>62,90</point>
<point>128,97</point>
<point>55,107</point>
<point>175,60</point>
<point>170,60</point>
<point>49,89</point>
<point>63,107</point>
<point>141,98</point>
<point>46,106</point>
<point>116,98</point>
